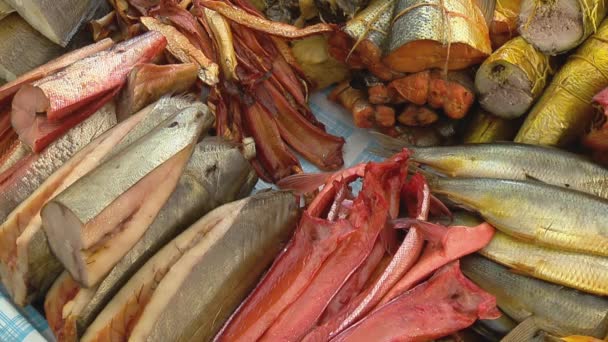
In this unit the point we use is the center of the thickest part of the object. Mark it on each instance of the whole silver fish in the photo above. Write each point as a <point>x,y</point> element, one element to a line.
<point>556,309</point>
<point>536,212</point>
<point>217,173</point>
<point>57,20</point>
<point>19,182</point>
<point>509,161</point>
<point>89,234</point>
<point>209,269</point>
<point>580,271</point>
<point>27,265</point>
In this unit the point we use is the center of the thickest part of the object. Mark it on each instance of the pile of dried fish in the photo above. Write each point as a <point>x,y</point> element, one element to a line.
<point>550,223</point>
<point>345,273</point>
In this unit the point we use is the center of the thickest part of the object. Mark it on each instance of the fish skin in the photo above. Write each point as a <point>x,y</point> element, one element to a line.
<point>133,297</point>
<point>514,161</point>
<point>21,180</point>
<point>22,48</point>
<point>580,271</point>
<point>58,21</point>
<point>8,90</point>
<point>445,304</point>
<point>556,309</point>
<point>533,211</point>
<point>457,242</point>
<point>14,153</point>
<point>217,173</point>
<point>75,219</point>
<point>21,235</point>
<point>88,78</point>
<point>241,269</point>
<point>180,47</point>
<point>5,9</point>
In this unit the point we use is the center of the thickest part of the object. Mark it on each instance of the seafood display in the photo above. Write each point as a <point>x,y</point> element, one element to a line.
<point>173,170</point>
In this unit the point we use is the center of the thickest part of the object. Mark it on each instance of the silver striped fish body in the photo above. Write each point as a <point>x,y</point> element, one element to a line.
<point>584,272</point>
<point>518,162</point>
<point>557,309</point>
<point>533,211</point>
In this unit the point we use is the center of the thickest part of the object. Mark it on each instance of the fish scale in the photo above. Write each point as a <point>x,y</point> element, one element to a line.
<point>533,211</point>
<point>558,310</point>
<point>581,271</point>
<point>39,167</point>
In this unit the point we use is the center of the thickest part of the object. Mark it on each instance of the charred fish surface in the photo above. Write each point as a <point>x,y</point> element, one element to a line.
<point>239,238</point>
<point>58,21</point>
<point>557,310</point>
<point>21,180</point>
<point>217,173</point>
<point>90,234</point>
<point>27,264</point>
<point>532,211</point>
<point>511,161</point>
<point>579,271</point>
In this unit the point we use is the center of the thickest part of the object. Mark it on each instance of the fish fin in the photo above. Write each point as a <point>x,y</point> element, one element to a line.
<point>389,143</point>
<point>532,178</point>
<point>432,232</point>
<point>527,330</point>
<point>302,183</point>
<point>521,269</point>
<point>439,208</point>
<point>487,8</point>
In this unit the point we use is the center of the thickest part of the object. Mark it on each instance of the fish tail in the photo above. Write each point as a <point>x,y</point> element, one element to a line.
<point>527,330</point>
<point>388,144</point>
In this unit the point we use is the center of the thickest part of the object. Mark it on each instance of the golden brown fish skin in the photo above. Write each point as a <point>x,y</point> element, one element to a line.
<point>564,111</point>
<point>533,211</point>
<point>512,78</point>
<point>272,210</point>
<point>180,47</point>
<point>264,25</point>
<point>486,128</point>
<point>418,28</point>
<point>557,310</point>
<point>579,271</point>
<point>100,230</point>
<point>504,22</point>
<point>507,160</point>
<point>223,37</point>
<point>148,82</point>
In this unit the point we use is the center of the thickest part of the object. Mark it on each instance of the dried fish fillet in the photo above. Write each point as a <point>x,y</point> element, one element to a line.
<point>264,220</point>
<point>89,234</point>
